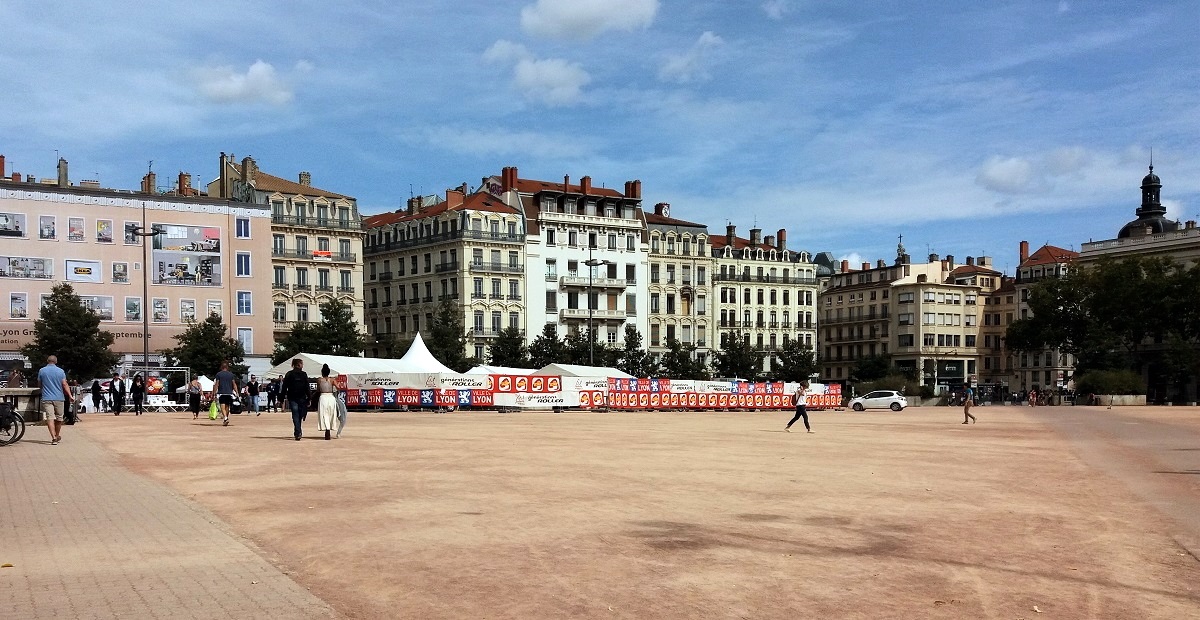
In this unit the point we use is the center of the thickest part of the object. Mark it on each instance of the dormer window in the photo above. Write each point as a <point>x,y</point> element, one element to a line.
<point>548,203</point>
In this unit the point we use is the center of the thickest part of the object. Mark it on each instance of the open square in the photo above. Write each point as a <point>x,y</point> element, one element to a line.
<point>693,515</point>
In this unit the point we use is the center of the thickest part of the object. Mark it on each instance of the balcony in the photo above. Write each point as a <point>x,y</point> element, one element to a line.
<point>552,277</point>
<point>773,324</point>
<point>387,304</point>
<point>589,220</point>
<point>497,268</point>
<point>745,277</point>
<point>400,244</point>
<point>322,255</point>
<point>316,222</point>
<point>444,267</point>
<point>513,298</point>
<point>349,290</point>
<point>451,296</point>
<point>373,304</point>
<point>584,281</point>
<point>427,300</point>
<point>281,286</point>
<point>385,276</point>
<point>302,288</point>
<point>598,315</point>
<point>478,295</point>
<point>324,288</point>
<point>496,296</point>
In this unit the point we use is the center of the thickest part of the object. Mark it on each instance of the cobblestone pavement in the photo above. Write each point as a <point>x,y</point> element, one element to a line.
<point>89,539</point>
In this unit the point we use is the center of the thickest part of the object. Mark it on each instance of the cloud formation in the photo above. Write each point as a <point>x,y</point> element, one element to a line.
<point>1008,175</point>
<point>258,84</point>
<point>692,66</point>
<point>553,81</point>
<point>775,8</point>
<point>585,19</point>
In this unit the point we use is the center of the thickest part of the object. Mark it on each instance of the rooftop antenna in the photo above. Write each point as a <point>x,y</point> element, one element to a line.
<point>150,166</point>
<point>56,155</point>
<point>410,190</point>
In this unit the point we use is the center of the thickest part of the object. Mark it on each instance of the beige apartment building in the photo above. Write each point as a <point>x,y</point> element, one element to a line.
<point>1045,368</point>
<point>316,241</point>
<point>764,291</point>
<point>680,287</point>
<point>206,260</point>
<point>468,248</point>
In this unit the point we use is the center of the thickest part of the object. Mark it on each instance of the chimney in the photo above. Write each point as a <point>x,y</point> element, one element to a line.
<point>730,234</point>
<point>1188,225</point>
<point>464,188</point>
<point>660,207</point>
<point>845,266</point>
<point>248,170</point>
<point>149,183</point>
<point>184,187</point>
<point>984,261</point>
<point>566,182</point>
<point>922,277</point>
<point>414,204</point>
<point>933,258</point>
<point>223,185</point>
<point>585,184</point>
<point>1024,252</point>
<point>306,179</point>
<point>782,236</point>
<point>16,177</point>
<point>880,264</point>
<point>755,236</point>
<point>866,266</point>
<point>633,189</point>
<point>950,260</point>
<point>2,173</point>
<point>769,240</point>
<point>455,197</point>
<point>64,179</point>
<point>970,261</point>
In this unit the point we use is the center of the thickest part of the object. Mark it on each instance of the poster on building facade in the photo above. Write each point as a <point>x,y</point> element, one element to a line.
<point>120,273</point>
<point>133,309</point>
<point>104,231</point>
<point>84,271</point>
<point>18,305</point>
<point>159,311</point>
<point>75,229</point>
<point>187,310</point>
<point>102,305</point>
<point>131,230</point>
<point>47,227</point>
<point>214,307</point>
<point>25,267</point>
<point>189,255</point>
<point>12,225</point>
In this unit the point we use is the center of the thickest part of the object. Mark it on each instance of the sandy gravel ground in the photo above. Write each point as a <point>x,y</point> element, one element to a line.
<point>687,515</point>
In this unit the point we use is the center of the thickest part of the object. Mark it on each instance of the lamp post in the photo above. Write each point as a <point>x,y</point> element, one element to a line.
<point>592,263</point>
<point>143,232</point>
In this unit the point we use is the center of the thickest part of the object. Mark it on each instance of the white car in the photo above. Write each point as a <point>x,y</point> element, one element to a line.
<point>879,399</point>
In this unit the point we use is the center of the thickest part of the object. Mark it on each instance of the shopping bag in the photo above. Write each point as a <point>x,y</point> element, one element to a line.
<point>214,410</point>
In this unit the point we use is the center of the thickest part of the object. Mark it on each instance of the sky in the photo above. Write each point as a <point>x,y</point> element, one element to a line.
<point>966,127</point>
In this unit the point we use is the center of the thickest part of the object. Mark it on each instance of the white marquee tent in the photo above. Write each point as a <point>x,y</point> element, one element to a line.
<point>575,370</point>
<point>417,360</point>
<point>484,369</point>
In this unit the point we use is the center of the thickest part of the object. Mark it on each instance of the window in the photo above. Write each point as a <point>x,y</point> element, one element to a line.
<point>573,238</point>
<point>243,303</point>
<point>245,336</point>
<point>630,242</point>
<point>970,340</point>
<point>654,299</point>
<point>971,320</point>
<point>277,244</point>
<point>514,320</point>
<point>280,312</point>
<point>243,264</point>
<point>477,291</point>
<point>478,321</point>
<point>928,340</point>
<point>612,241</point>
<point>630,274</point>
<point>323,244</point>
<point>344,247</point>
<point>928,296</point>
<point>497,323</point>
<point>549,236</point>
<point>906,340</point>
<point>242,227</point>
<point>929,318</point>
<point>302,245</point>
<point>631,304</point>
<point>344,281</point>
<point>551,269</point>
<point>905,318</point>
<point>654,337</point>
<point>301,276</point>
<point>514,292</point>
<point>280,276</point>
<point>904,298</point>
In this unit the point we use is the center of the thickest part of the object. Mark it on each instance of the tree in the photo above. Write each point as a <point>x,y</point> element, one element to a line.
<point>447,339</point>
<point>797,362</point>
<point>680,362</point>
<point>204,345</point>
<point>867,368</point>
<point>336,334</point>
<point>739,359</point>
<point>546,348</point>
<point>392,346</point>
<point>508,349</point>
<point>577,348</point>
<point>633,357</point>
<point>71,331</point>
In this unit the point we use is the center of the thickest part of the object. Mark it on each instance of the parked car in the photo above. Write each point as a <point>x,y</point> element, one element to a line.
<point>879,399</point>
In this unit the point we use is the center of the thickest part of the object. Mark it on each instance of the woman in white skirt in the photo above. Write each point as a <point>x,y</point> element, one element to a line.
<point>327,408</point>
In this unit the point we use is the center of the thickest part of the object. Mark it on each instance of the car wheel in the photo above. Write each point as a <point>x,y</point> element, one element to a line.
<point>857,407</point>
<point>896,407</point>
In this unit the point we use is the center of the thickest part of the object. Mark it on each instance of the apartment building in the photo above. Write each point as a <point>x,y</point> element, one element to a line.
<point>468,248</point>
<point>680,285</point>
<point>591,246</point>
<point>1046,368</point>
<point>316,241</point>
<point>207,259</point>
<point>764,291</point>
<point>997,364</point>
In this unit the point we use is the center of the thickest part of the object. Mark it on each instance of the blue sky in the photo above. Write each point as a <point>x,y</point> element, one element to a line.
<point>964,126</point>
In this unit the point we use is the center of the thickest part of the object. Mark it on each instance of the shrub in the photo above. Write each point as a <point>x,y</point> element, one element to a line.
<point>897,382</point>
<point>1109,382</point>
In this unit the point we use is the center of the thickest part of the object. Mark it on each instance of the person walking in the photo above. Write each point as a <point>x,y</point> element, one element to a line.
<point>968,395</point>
<point>800,398</point>
<point>116,392</point>
<point>16,377</point>
<point>76,400</point>
<point>193,391</point>
<point>55,394</point>
<point>327,409</point>
<point>271,392</point>
<point>294,389</point>
<point>252,394</point>
<point>225,386</point>
<point>97,396</point>
<point>137,391</point>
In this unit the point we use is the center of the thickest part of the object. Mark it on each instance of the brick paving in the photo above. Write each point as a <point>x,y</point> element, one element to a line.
<point>89,539</point>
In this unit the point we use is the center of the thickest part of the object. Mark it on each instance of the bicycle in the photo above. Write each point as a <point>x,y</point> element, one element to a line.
<point>12,426</point>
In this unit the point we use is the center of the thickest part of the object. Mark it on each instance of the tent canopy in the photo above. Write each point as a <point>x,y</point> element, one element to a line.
<point>206,384</point>
<point>575,370</point>
<point>418,359</point>
<point>484,369</point>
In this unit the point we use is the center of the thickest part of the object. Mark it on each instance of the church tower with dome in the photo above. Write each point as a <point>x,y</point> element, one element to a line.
<point>1152,215</point>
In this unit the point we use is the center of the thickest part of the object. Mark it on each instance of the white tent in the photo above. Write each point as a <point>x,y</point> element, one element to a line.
<point>418,359</point>
<point>484,369</point>
<point>575,370</point>
<point>418,369</point>
<point>206,385</point>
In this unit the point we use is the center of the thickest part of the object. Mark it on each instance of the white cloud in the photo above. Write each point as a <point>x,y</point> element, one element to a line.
<point>775,8</point>
<point>563,19</point>
<point>1067,160</point>
<point>854,258</point>
<point>553,81</point>
<point>260,83</point>
<point>692,65</point>
<point>504,51</point>
<point>1008,175</point>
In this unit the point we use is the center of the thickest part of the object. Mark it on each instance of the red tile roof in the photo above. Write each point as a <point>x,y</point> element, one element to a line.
<point>530,186</point>
<point>720,241</point>
<point>1049,255</point>
<point>965,270</point>
<point>663,220</point>
<point>479,201</point>
<point>271,183</point>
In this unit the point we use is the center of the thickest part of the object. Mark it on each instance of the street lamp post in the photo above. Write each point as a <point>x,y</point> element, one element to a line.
<point>592,263</point>
<point>143,232</point>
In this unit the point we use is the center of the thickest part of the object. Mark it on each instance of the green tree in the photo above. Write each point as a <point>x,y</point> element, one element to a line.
<point>546,349</point>
<point>508,349</point>
<point>633,357</point>
<point>867,368</point>
<point>681,362</point>
<point>336,334</point>
<point>447,339</point>
<point>391,346</point>
<point>69,330</point>
<point>739,359</point>
<point>577,348</point>
<point>796,362</point>
<point>204,345</point>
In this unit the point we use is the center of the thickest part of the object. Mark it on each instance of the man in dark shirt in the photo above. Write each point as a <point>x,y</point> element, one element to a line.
<point>224,387</point>
<point>295,391</point>
<point>252,394</point>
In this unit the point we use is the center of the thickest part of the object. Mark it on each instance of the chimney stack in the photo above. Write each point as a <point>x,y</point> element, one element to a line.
<point>2,173</point>
<point>223,185</point>
<point>756,236</point>
<point>781,235</point>
<point>950,260</point>
<point>1024,252</point>
<point>184,187</point>
<point>306,179</point>
<point>149,183</point>
<point>845,266</point>
<point>248,170</point>
<point>880,264</point>
<point>414,204</point>
<point>566,182</point>
<point>660,207</point>
<point>1188,225</point>
<point>585,184</point>
<point>64,180</point>
<point>984,261</point>
<point>769,240</point>
<point>633,189</point>
<point>16,177</point>
<point>933,258</point>
<point>866,266</point>
<point>970,261</point>
<point>730,234</point>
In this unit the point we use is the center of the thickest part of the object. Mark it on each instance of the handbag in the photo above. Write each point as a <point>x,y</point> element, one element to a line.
<point>214,410</point>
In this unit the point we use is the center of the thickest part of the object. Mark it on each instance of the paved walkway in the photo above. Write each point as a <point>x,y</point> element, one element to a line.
<point>89,539</point>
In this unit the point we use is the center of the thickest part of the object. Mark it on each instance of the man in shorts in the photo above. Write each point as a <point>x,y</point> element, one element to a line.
<point>968,400</point>
<point>55,394</point>
<point>224,387</point>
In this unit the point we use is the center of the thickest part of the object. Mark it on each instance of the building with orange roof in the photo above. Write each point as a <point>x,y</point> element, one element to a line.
<point>1047,368</point>
<point>316,241</point>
